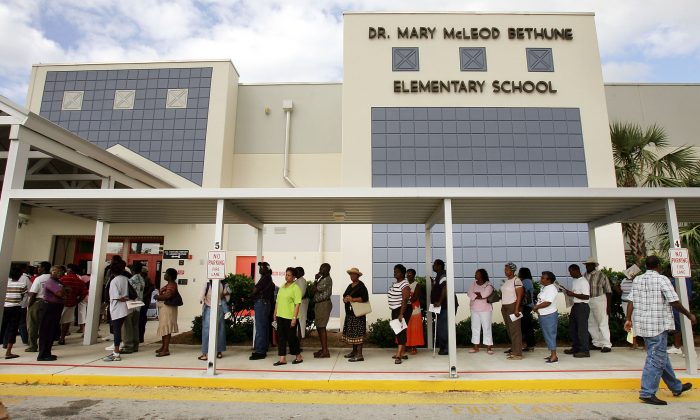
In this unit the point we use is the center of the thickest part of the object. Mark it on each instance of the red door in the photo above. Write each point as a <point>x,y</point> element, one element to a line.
<point>246,266</point>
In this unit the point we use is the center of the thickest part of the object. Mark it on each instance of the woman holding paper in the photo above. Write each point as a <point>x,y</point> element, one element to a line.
<point>355,327</point>
<point>511,298</point>
<point>414,335</point>
<point>481,309</point>
<point>399,295</point>
<point>546,308</point>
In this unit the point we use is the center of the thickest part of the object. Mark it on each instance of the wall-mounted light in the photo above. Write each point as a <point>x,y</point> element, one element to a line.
<point>22,220</point>
<point>267,110</point>
<point>339,216</point>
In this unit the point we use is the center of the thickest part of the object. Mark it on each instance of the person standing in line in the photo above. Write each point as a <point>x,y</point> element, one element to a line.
<point>148,290</point>
<point>82,305</point>
<point>75,285</point>
<point>625,288</point>
<point>263,298</point>
<point>546,309</point>
<point>205,301</point>
<point>511,298</point>
<point>399,295</point>
<point>167,313</point>
<point>131,323</point>
<point>600,305</point>
<point>526,325</point>
<point>354,327</point>
<point>438,297</point>
<point>578,317</point>
<point>323,289</point>
<point>50,317</point>
<point>649,309</point>
<point>28,276</point>
<point>118,295</point>
<point>414,335</point>
<point>301,283</point>
<point>35,305</point>
<point>17,286</point>
<point>286,314</point>
<point>481,310</point>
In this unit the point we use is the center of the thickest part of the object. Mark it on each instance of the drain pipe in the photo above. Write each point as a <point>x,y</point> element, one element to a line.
<point>287,106</point>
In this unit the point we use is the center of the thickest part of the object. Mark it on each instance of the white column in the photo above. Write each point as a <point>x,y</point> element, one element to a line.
<point>428,284</point>
<point>591,239</point>
<point>99,255</point>
<point>215,297</point>
<point>450,268</point>
<point>15,173</point>
<point>691,363</point>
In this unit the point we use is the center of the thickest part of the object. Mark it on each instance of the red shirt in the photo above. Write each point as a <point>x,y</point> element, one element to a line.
<point>77,286</point>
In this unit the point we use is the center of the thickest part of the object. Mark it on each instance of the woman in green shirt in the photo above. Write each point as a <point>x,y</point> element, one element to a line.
<point>286,312</point>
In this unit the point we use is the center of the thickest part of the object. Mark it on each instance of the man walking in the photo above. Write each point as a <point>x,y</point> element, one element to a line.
<point>649,310</point>
<point>599,304</point>
<point>263,296</point>
<point>578,319</point>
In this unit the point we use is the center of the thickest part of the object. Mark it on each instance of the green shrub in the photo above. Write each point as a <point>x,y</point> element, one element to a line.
<point>500,333</point>
<point>464,332</point>
<point>381,334</point>
<point>235,333</point>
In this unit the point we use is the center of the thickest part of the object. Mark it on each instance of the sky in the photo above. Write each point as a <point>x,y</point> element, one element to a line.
<point>301,40</point>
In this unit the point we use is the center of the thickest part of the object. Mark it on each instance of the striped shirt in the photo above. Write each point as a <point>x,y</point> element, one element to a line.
<point>651,296</point>
<point>395,294</point>
<point>600,284</point>
<point>16,291</point>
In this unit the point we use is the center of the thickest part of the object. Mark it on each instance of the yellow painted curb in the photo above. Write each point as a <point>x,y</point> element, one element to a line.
<point>334,385</point>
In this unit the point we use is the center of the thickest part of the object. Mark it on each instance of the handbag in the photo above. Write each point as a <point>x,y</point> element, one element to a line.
<point>361,308</point>
<point>174,300</point>
<point>494,297</point>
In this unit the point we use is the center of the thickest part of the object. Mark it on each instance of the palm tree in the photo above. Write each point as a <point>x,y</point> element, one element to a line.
<point>643,159</point>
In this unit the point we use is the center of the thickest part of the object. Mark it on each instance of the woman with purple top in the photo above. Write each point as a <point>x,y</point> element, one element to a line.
<point>50,316</point>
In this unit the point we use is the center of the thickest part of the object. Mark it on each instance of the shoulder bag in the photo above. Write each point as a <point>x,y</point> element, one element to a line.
<point>494,297</point>
<point>174,300</point>
<point>361,308</point>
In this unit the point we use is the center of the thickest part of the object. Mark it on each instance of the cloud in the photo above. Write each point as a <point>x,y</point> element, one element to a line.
<point>274,40</point>
<point>626,71</point>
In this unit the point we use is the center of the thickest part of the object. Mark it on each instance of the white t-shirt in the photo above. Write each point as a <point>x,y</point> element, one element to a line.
<point>580,286</point>
<point>301,282</point>
<point>118,288</point>
<point>38,285</point>
<point>548,294</point>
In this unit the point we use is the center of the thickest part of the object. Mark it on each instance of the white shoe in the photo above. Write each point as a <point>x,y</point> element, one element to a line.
<point>674,350</point>
<point>110,348</point>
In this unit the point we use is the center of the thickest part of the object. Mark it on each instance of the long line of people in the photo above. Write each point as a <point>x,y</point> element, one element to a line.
<point>49,300</point>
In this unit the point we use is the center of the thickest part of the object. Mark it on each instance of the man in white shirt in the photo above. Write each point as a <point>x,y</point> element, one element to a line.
<point>35,305</point>
<point>578,318</point>
<point>118,295</point>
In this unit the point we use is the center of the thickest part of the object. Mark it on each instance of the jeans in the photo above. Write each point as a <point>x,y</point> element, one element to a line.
<point>221,336</point>
<point>578,327</point>
<point>657,366</point>
<point>262,326</point>
<point>441,335</point>
<point>117,325</point>
<point>548,324</point>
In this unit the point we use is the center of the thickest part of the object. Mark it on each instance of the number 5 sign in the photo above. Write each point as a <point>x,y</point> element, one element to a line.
<point>216,265</point>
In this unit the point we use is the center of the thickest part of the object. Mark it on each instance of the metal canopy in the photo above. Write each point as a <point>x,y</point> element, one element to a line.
<point>598,206</point>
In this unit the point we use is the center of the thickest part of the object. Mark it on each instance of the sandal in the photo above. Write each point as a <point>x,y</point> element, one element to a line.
<point>219,355</point>
<point>489,351</point>
<point>514,357</point>
<point>279,363</point>
<point>473,350</point>
<point>413,351</point>
<point>12,356</point>
<point>297,361</point>
<point>203,358</point>
<point>397,361</point>
<point>404,357</point>
<point>163,354</point>
<point>322,355</point>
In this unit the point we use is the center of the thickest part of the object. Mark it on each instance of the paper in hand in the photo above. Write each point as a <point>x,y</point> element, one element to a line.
<point>131,304</point>
<point>398,325</point>
<point>630,336</point>
<point>515,318</point>
<point>434,309</point>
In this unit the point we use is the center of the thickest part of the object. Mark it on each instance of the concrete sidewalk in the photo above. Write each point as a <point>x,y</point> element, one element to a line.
<point>77,364</point>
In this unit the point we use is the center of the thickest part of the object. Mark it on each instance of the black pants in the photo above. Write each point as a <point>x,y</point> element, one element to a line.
<point>117,325</point>
<point>578,327</point>
<point>401,337</point>
<point>526,327</point>
<point>10,324</point>
<point>286,334</point>
<point>49,324</point>
<point>143,319</point>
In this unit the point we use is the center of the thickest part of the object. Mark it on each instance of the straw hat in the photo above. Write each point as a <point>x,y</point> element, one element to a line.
<point>355,270</point>
<point>591,260</point>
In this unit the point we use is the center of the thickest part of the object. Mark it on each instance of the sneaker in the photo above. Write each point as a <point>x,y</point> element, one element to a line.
<point>653,400</point>
<point>605,350</point>
<point>674,350</point>
<point>112,358</point>
<point>257,356</point>
<point>581,354</point>
<point>110,348</point>
<point>569,351</point>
